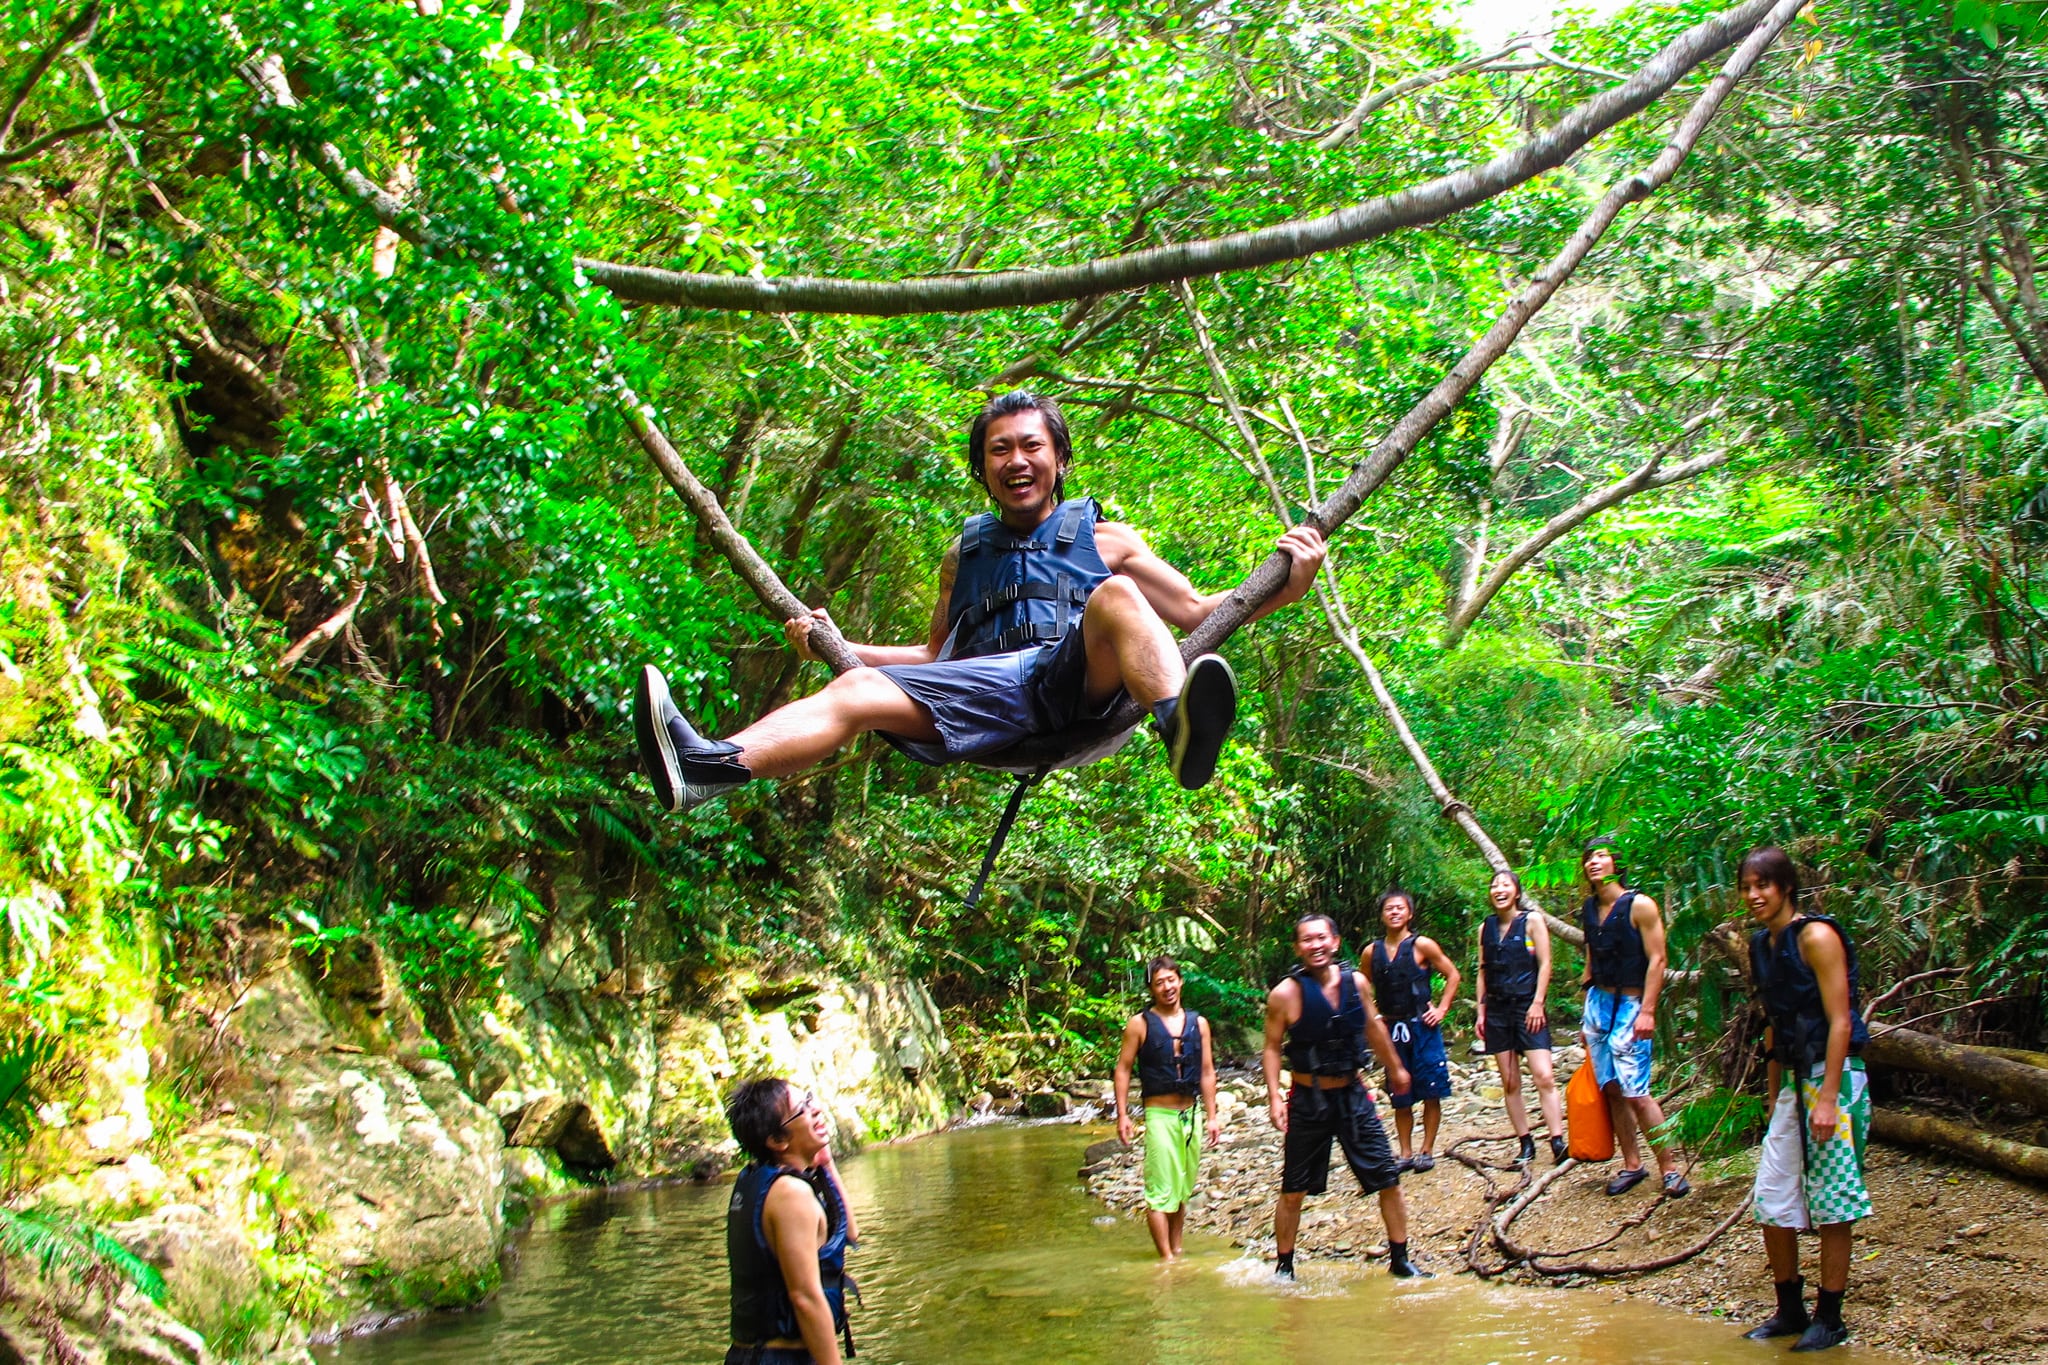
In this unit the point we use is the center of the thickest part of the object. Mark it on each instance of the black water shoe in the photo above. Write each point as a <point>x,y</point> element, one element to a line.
<point>1527,1152</point>
<point>1819,1335</point>
<point>1676,1186</point>
<point>1405,1269</point>
<point>1778,1325</point>
<point>1791,1318</point>
<point>1628,1180</point>
<point>686,769</point>
<point>1559,1150</point>
<point>1195,724</point>
<point>1423,1161</point>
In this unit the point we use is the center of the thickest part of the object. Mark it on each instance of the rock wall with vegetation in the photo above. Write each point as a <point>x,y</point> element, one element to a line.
<point>328,545</point>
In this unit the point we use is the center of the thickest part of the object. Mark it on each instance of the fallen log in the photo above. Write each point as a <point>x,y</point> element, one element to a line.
<point>1973,1145</point>
<point>1979,1070</point>
<point>2016,1054</point>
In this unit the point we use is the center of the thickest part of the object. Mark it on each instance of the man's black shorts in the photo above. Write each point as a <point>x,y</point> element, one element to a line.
<point>769,1355</point>
<point>1507,1028</point>
<point>1315,1118</point>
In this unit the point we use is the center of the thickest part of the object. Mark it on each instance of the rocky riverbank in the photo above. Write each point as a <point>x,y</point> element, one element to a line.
<point>1947,1269</point>
<point>311,1150</point>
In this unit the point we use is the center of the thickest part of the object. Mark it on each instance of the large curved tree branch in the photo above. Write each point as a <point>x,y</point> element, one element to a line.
<point>1412,207</point>
<point>1650,474</point>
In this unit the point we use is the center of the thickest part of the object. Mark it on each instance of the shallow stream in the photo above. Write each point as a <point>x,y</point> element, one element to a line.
<point>982,1245</point>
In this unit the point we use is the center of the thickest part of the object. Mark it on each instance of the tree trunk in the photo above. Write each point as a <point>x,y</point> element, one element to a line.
<point>1979,1148</point>
<point>1974,1069</point>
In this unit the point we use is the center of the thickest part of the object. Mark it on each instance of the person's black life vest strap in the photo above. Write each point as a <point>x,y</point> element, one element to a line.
<point>1399,983</point>
<point>1509,960</point>
<point>1614,946</point>
<point>1327,1042</point>
<point>1791,997</point>
<point>1010,591</point>
<point>1160,1070</point>
<point>761,1307</point>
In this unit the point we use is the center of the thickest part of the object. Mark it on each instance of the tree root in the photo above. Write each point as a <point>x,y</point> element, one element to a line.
<point>1525,1194</point>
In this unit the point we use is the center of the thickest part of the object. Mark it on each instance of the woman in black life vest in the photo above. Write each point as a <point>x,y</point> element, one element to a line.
<point>1810,1174</point>
<point>787,1228</point>
<point>1514,983</point>
<point>1176,1065</point>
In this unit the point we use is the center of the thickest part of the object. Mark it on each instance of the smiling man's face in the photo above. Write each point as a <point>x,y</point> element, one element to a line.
<point>1021,467</point>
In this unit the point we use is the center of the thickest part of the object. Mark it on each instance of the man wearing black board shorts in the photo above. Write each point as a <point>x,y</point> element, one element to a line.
<point>1321,1015</point>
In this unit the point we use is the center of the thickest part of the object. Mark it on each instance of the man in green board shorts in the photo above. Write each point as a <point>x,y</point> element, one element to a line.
<point>1176,1062</point>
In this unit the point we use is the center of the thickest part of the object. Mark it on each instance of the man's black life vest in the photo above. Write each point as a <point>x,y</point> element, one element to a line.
<point>1160,1070</point>
<point>1327,1042</point>
<point>761,1309</point>
<point>1399,983</point>
<point>1509,960</point>
<point>1791,997</point>
<point>1614,945</point>
<point>1010,591</point>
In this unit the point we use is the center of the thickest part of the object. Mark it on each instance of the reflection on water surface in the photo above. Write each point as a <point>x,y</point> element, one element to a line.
<point>982,1245</point>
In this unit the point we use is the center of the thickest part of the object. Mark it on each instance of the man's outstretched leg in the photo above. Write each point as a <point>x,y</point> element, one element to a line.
<point>688,769</point>
<point>1131,650</point>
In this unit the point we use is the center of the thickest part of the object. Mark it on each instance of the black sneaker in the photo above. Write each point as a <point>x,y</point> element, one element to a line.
<point>686,769</point>
<point>1200,721</point>
<point>1559,1150</point>
<point>1628,1180</point>
<point>1778,1325</point>
<point>1818,1336</point>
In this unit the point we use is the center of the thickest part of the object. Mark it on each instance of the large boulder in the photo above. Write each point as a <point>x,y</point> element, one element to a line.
<point>397,1173</point>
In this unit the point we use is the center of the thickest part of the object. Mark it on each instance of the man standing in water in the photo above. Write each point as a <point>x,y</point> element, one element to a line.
<point>1624,973</point>
<point>1176,1062</point>
<point>1514,982</point>
<point>1810,1174</point>
<point>1322,1014</point>
<point>786,1239</point>
<point>1401,966</point>
<point>1046,616</point>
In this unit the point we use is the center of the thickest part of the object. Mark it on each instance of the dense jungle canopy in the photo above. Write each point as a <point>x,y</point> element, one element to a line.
<point>329,543</point>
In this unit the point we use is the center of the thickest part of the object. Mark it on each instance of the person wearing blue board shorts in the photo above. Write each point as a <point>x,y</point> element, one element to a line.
<point>1402,964</point>
<point>1047,617</point>
<point>1625,956</point>
<point>1809,1176</point>
<point>1176,1061</point>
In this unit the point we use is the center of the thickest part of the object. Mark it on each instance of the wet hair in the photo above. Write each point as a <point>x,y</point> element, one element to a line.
<point>1395,893</point>
<point>1009,405</point>
<point>1512,876</point>
<point>757,1111</point>
<point>1612,845</point>
<point>1158,965</point>
<point>1772,865</point>
<point>1314,915</point>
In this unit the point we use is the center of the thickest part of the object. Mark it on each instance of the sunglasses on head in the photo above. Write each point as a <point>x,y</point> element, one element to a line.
<point>807,1105</point>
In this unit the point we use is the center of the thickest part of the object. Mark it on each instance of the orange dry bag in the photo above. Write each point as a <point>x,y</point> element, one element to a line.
<point>1590,1126</point>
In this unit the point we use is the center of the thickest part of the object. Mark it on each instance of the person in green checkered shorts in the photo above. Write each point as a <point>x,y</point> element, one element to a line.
<point>1810,1175</point>
<point>1176,1062</point>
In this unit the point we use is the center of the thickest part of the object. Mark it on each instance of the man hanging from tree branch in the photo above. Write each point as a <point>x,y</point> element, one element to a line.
<point>1046,617</point>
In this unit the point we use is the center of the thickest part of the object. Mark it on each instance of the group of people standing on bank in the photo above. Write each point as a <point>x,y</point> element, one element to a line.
<point>787,1238</point>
